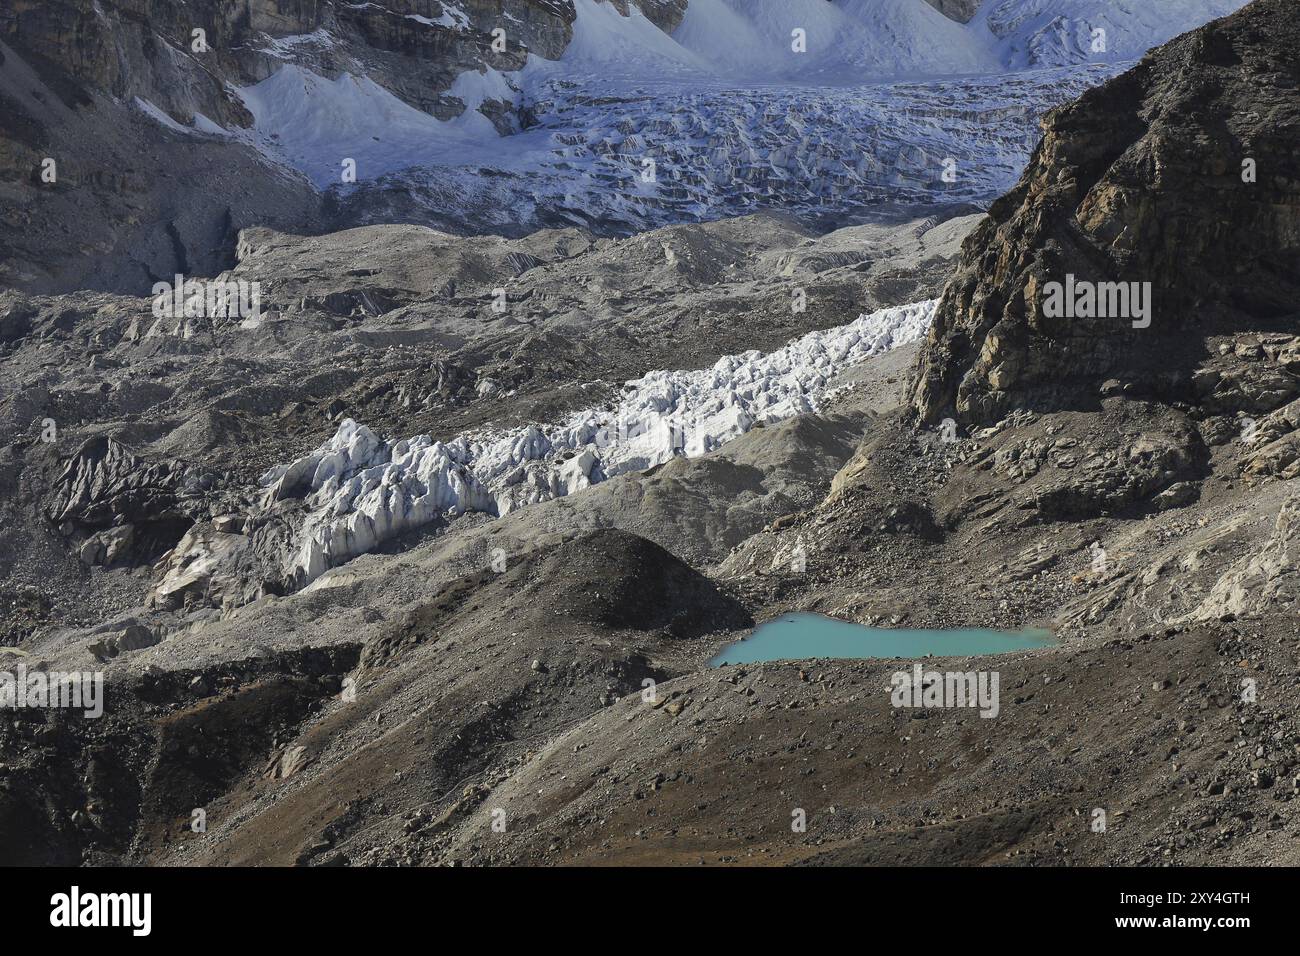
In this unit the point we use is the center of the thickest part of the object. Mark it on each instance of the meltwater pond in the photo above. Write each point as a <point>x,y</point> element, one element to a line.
<point>803,636</point>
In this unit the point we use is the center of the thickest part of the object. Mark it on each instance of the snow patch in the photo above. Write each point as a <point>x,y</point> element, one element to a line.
<point>158,116</point>
<point>286,47</point>
<point>475,89</point>
<point>208,126</point>
<point>453,18</point>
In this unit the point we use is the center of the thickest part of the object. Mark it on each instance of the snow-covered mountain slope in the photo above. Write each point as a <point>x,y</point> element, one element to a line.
<point>1038,33</point>
<point>849,41</point>
<point>857,39</point>
<point>607,43</point>
<point>314,124</point>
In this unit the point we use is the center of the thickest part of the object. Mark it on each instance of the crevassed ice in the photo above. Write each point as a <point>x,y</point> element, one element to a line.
<point>361,491</point>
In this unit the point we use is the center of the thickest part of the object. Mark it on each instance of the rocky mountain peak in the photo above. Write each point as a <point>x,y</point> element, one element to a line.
<point>1178,180</point>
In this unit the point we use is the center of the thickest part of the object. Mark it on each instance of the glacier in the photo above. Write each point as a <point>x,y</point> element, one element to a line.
<point>360,491</point>
<point>653,154</point>
<point>633,128</point>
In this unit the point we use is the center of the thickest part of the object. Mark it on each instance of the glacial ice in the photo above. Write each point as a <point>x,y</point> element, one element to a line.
<point>733,116</point>
<point>361,491</point>
<point>721,151</point>
<point>735,121</point>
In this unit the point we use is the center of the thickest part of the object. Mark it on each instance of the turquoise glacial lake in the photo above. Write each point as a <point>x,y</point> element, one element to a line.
<point>793,637</point>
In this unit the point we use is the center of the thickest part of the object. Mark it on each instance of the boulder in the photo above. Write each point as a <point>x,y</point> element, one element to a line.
<point>134,637</point>
<point>15,316</point>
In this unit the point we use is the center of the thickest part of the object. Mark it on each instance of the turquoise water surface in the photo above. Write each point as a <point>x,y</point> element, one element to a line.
<point>804,636</point>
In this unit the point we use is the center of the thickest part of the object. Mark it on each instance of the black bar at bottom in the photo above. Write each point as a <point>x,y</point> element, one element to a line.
<point>325,905</point>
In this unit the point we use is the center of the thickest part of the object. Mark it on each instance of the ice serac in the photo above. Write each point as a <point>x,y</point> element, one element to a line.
<point>1182,173</point>
<point>719,151</point>
<point>360,491</point>
<point>356,491</point>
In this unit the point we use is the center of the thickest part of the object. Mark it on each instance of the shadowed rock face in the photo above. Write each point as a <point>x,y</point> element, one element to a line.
<point>959,10</point>
<point>665,14</point>
<point>1146,179</point>
<point>116,505</point>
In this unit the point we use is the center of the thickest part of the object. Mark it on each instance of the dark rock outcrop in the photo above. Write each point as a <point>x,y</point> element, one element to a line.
<point>127,506</point>
<point>665,14</point>
<point>15,317</point>
<point>959,10</point>
<point>1182,173</point>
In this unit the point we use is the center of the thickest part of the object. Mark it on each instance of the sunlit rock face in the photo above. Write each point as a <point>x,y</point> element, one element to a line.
<point>1183,174</point>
